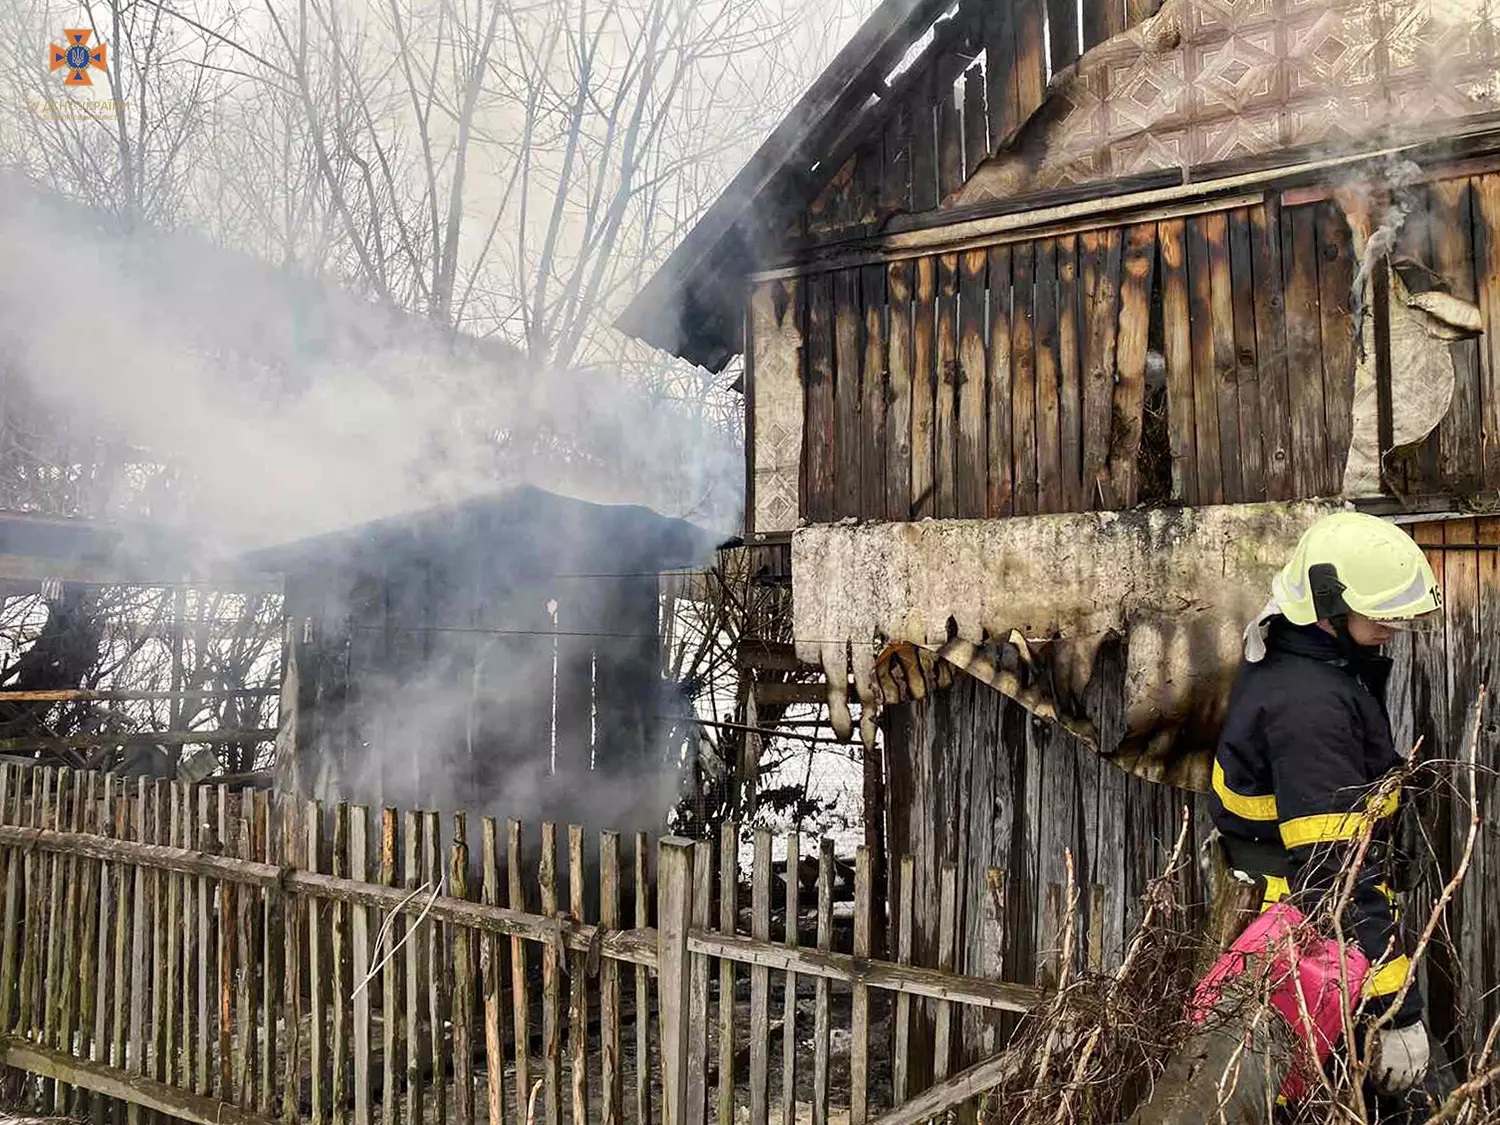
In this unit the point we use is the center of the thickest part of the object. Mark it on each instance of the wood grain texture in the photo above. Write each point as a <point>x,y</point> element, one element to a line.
<point>1335,285</point>
<point>1070,347</point>
<point>1000,499</point>
<point>1132,339</point>
<point>1048,403</point>
<point>1271,351</point>
<point>924,392</point>
<point>1209,398</point>
<point>1182,409</point>
<point>972,452</point>
<point>1023,368</point>
<point>848,354</point>
<point>898,412</point>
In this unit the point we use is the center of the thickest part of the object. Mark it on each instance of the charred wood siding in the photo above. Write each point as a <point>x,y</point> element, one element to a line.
<point>1202,359</point>
<point>983,73</point>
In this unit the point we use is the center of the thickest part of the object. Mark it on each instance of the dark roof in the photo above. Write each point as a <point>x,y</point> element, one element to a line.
<point>693,305</point>
<point>537,532</point>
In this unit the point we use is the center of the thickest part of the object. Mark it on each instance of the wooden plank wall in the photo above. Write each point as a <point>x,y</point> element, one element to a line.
<point>1017,375</point>
<point>1014,376</point>
<point>978,784</point>
<point>1434,686</point>
<point>982,74</point>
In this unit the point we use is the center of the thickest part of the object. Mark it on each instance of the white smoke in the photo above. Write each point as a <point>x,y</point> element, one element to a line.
<point>286,408</point>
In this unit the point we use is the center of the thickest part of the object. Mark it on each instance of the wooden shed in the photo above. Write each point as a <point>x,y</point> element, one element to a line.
<point>501,655</point>
<point>1055,335</point>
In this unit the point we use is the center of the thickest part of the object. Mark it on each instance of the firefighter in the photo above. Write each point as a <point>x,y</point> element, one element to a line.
<point>1306,742</point>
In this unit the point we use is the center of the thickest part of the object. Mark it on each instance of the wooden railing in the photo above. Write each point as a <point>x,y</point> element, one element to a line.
<point>235,957</point>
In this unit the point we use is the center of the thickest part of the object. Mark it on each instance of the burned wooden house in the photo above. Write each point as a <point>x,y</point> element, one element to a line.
<point>1055,336</point>
<point>499,655</point>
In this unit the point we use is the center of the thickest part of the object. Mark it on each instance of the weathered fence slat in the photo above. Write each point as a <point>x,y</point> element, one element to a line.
<point>697,1062</point>
<point>642,987</point>
<point>729,881</point>
<point>551,988</point>
<point>437,993</point>
<point>674,918</point>
<point>416,935</point>
<point>859,1048</point>
<point>942,1044</point>
<point>578,1009</point>
<point>489,970</point>
<point>823,990</point>
<point>463,980</point>
<point>12,778</point>
<point>339,969</point>
<point>359,945</point>
<point>611,1084</point>
<point>268,850</point>
<point>789,997</point>
<point>317,974</point>
<point>900,1060</point>
<point>760,980</point>
<point>293,854</point>
<point>227,933</point>
<point>390,997</point>
<point>521,1003</point>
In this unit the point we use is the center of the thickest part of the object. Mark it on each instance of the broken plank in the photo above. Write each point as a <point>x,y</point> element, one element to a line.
<point>923,392</point>
<point>976,126</point>
<point>950,126</point>
<point>924,143</point>
<point>1000,501</point>
<point>971,455</point>
<point>1000,73</point>
<point>1023,379</point>
<point>1299,263</point>
<point>1130,385</point>
<point>1062,32</point>
<point>1177,343</point>
<point>1048,448</point>
<point>1031,62</point>
<point>1271,350</point>
<point>898,411</point>
<point>1207,400</point>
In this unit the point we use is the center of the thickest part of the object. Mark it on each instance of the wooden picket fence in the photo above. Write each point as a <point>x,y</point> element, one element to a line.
<point>235,958</point>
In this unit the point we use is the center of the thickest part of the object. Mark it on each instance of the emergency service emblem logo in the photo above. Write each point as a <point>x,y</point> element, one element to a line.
<point>76,57</point>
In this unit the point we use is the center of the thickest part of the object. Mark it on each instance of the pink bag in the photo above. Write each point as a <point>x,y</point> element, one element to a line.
<point>1307,964</point>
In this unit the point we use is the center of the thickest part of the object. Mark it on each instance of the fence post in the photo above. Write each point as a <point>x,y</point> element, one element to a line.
<point>674,915</point>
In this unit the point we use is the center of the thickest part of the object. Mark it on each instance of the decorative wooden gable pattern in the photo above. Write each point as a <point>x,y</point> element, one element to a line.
<point>1142,89</point>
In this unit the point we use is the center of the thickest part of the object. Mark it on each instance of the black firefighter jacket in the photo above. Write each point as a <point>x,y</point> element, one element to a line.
<point>1304,743</point>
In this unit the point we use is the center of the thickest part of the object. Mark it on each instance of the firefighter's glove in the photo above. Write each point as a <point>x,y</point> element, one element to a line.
<point>1400,1060</point>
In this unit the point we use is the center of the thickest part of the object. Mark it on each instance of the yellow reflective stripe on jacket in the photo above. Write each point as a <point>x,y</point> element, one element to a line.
<point>1328,828</point>
<point>1388,979</point>
<point>1277,889</point>
<point>1244,807</point>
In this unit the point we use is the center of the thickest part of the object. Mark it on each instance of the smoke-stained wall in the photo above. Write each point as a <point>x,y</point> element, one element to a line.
<point>502,656</point>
